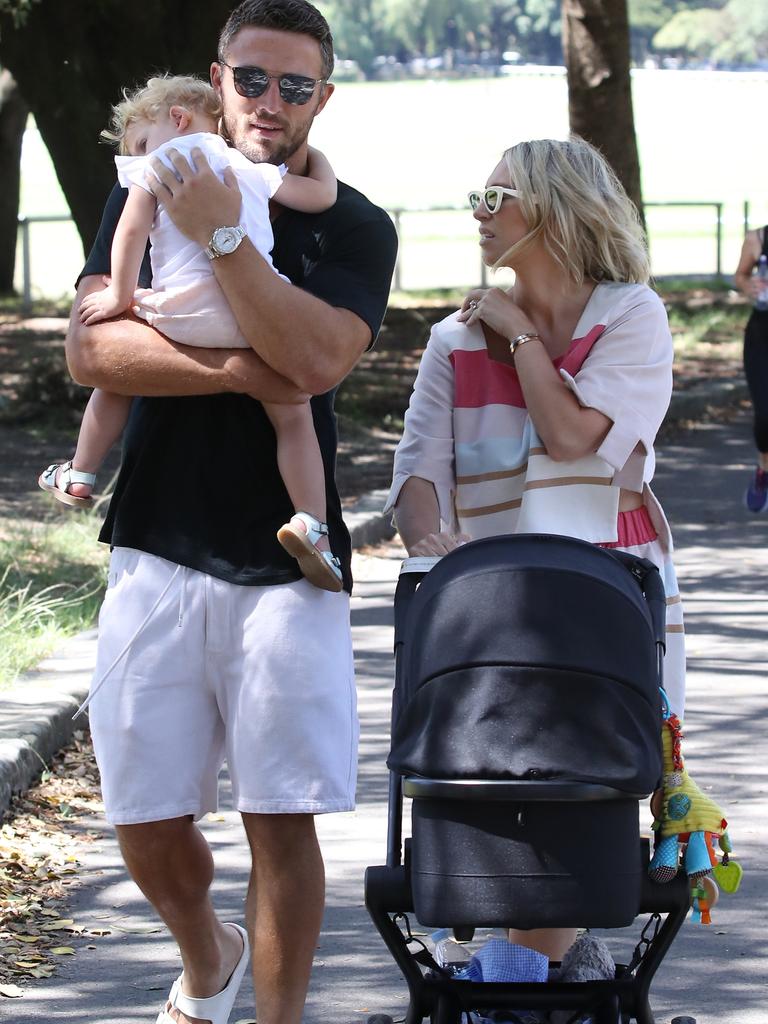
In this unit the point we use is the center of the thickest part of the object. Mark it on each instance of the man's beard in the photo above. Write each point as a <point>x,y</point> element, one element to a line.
<point>259,153</point>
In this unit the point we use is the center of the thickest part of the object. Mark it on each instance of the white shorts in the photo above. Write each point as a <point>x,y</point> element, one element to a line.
<point>191,669</point>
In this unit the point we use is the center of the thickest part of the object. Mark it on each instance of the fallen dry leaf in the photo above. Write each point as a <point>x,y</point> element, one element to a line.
<point>138,929</point>
<point>40,854</point>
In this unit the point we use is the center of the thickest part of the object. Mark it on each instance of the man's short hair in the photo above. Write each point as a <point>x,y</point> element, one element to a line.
<point>285,16</point>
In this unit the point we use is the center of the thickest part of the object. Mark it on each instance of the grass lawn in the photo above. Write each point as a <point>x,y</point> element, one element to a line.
<point>52,579</point>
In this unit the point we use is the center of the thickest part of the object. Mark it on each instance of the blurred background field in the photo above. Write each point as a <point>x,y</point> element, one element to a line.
<point>418,145</point>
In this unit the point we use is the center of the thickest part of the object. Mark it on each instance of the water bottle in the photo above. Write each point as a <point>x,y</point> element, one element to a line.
<point>762,275</point>
<point>448,952</point>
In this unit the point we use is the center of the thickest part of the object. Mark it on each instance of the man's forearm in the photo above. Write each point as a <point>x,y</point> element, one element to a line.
<point>296,333</point>
<point>128,357</point>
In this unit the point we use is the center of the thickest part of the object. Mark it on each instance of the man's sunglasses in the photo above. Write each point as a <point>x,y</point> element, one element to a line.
<point>492,198</point>
<point>253,82</point>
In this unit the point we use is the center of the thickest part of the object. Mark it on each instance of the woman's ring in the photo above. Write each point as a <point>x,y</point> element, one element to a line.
<point>472,304</point>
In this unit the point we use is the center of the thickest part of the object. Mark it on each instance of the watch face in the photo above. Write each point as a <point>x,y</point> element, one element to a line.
<point>225,240</point>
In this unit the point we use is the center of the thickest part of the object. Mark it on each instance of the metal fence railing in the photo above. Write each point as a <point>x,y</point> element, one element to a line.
<point>26,251</point>
<point>714,225</point>
<point>713,228</point>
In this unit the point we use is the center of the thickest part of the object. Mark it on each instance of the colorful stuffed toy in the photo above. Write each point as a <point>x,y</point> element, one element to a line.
<point>687,821</point>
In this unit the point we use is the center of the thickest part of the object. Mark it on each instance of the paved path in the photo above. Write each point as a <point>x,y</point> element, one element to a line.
<point>716,974</point>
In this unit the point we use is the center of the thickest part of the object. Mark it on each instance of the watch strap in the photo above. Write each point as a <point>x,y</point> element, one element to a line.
<point>213,252</point>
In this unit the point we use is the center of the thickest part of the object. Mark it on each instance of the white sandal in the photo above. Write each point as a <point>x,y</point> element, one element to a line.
<point>67,476</point>
<point>218,1008</point>
<point>322,568</point>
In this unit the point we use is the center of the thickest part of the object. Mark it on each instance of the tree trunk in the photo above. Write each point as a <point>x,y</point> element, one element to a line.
<point>72,61</point>
<point>596,48</point>
<point>13,119</point>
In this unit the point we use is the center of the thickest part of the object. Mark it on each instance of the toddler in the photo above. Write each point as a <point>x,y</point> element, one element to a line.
<point>187,304</point>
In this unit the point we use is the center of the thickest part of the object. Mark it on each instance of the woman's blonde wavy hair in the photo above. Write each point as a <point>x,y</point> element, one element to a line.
<point>152,101</point>
<point>574,203</point>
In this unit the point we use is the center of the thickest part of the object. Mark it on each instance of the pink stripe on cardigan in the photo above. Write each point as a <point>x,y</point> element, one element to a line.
<point>480,380</point>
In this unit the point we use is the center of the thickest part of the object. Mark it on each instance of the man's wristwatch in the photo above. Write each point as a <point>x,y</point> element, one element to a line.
<point>224,241</point>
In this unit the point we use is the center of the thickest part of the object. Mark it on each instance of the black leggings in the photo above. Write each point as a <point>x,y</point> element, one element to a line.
<point>756,372</point>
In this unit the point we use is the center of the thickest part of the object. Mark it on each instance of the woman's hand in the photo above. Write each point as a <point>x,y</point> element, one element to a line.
<point>496,308</point>
<point>196,200</point>
<point>438,543</point>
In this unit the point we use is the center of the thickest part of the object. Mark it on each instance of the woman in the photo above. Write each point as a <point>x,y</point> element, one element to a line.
<point>756,362</point>
<point>535,409</point>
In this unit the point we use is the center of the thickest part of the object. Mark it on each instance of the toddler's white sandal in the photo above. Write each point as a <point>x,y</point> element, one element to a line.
<point>67,476</point>
<point>218,1008</point>
<point>322,568</point>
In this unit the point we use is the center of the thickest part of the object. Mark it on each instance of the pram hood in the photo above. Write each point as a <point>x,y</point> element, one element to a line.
<point>529,657</point>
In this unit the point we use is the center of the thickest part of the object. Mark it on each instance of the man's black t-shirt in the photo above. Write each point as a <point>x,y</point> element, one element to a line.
<point>199,482</point>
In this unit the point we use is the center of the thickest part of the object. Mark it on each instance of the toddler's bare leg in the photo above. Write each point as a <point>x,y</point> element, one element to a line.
<point>299,460</point>
<point>104,420</point>
<point>552,942</point>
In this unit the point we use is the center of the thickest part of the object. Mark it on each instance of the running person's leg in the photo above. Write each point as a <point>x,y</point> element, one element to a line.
<point>756,373</point>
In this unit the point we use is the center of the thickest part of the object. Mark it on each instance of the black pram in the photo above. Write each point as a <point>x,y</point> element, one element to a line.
<point>526,729</point>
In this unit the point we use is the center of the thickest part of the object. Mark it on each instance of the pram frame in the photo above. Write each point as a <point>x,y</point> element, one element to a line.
<point>388,894</point>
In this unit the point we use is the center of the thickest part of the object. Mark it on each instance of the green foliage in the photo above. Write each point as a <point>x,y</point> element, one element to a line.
<point>364,29</point>
<point>736,33</point>
<point>690,31</point>
<point>745,38</point>
<point>51,582</point>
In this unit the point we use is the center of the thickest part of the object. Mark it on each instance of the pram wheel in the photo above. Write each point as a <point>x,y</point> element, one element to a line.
<point>683,1020</point>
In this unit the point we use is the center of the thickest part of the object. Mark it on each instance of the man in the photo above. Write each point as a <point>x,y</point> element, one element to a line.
<point>210,644</point>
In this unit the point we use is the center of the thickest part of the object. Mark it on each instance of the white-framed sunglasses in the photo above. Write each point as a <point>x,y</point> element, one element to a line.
<point>492,197</point>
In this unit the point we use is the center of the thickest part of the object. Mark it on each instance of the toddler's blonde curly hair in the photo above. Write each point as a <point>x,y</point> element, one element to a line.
<point>154,99</point>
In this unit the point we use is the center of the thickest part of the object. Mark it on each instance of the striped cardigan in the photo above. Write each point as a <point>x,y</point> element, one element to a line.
<point>467,429</point>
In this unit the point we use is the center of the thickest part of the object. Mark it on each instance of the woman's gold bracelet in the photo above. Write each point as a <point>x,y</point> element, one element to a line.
<point>521,339</point>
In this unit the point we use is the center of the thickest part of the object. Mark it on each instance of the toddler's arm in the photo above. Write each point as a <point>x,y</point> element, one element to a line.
<point>128,247</point>
<point>312,193</point>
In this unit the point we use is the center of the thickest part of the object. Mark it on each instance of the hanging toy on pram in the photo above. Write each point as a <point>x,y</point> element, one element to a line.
<point>687,824</point>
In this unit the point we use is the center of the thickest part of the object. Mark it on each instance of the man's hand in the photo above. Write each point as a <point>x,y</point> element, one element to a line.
<point>196,200</point>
